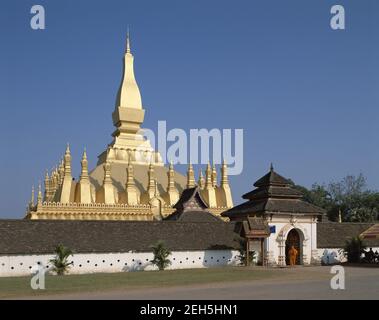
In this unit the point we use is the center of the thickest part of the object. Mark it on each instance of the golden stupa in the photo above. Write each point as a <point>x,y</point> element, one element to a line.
<point>130,181</point>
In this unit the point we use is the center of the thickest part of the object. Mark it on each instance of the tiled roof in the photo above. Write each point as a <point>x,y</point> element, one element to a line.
<point>271,178</point>
<point>192,208</point>
<point>334,235</point>
<point>274,195</point>
<point>371,233</point>
<point>42,236</point>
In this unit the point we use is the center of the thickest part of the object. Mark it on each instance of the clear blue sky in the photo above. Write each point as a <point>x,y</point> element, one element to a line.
<point>306,96</point>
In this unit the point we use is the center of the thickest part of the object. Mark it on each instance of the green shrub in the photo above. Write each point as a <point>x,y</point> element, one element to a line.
<point>161,253</point>
<point>353,249</point>
<point>60,262</point>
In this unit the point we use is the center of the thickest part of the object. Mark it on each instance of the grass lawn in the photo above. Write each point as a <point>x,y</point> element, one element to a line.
<point>20,286</point>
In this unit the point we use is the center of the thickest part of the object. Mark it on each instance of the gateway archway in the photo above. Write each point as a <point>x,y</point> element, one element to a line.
<point>294,239</point>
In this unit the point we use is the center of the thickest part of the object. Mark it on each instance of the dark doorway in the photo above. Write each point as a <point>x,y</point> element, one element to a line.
<point>293,239</point>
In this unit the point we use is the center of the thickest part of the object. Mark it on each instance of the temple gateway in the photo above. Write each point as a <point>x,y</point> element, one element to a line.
<point>291,220</point>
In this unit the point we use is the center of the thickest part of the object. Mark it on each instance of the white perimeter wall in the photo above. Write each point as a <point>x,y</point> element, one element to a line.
<point>21,265</point>
<point>335,255</point>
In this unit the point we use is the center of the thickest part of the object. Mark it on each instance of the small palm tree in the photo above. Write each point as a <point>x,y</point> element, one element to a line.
<point>161,253</point>
<point>60,262</point>
<point>353,249</point>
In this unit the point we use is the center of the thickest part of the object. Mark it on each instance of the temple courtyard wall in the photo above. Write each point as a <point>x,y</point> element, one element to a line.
<point>85,263</point>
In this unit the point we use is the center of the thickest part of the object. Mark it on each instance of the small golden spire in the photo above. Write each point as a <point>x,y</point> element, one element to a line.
<point>130,176</point>
<point>61,172</point>
<point>190,177</point>
<point>84,163</point>
<point>156,190</point>
<point>224,174</point>
<point>151,184</point>
<point>67,161</point>
<point>47,185</point>
<point>39,197</point>
<point>201,182</point>
<point>32,197</point>
<point>208,177</point>
<point>171,177</point>
<point>107,173</point>
<point>214,176</point>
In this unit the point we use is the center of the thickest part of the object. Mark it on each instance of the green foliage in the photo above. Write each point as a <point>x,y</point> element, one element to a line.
<point>350,196</point>
<point>362,214</point>
<point>60,262</point>
<point>353,249</point>
<point>161,254</point>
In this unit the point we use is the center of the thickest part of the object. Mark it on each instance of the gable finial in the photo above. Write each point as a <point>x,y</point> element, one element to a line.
<point>271,167</point>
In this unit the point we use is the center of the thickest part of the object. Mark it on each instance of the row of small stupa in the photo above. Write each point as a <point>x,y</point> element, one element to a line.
<point>60,188</point>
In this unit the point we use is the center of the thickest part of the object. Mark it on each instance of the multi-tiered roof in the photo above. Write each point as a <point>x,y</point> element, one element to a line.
<point>274,194</point>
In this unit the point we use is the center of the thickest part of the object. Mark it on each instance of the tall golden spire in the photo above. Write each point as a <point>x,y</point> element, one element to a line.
<point>128,116</point>
<point>128,95</point>
<point>190,177</point>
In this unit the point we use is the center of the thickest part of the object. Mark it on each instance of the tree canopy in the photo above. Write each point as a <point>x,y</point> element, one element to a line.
<point>350,196</point>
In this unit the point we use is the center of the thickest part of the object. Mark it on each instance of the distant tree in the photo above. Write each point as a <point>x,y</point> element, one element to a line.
<point>161,254</point>
<point>362,214</point>
<point>60,262</point>
<point>348,196</point>
<point>353,249</point>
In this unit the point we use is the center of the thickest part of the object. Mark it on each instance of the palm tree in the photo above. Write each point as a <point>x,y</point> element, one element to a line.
<point>353,249</point>
<point>60,263</point>
<point>161,254</point>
